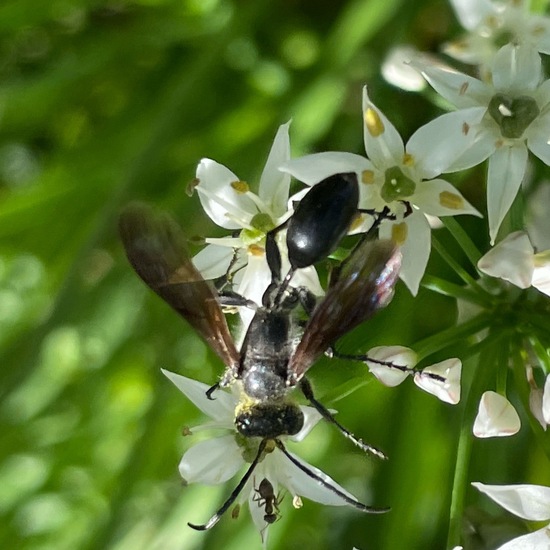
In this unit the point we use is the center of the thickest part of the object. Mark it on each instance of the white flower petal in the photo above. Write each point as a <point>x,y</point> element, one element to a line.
<point>535,405</point>
<point>256,278</point>
<point>221,408</point>
<point>226,242</point>
<point>507,167</point>
<point>459,89</point>
<point>541,277</point>
<point>220,201</point>
<point>496,417</point>
<point>542,94</point>
<point>383,143</point>
<point>472,49</point>
<point>538,137</point>
<point>471,13</point>
<point>311,418</point>
<point>274,184</point>
<point>399,355</point>
<point>546,401</point>
<point>212,461</point>
<point>396,69</point>
<point>436,145</point>
<point>415,248</point>
<point>511,260</point>
<point>439,198</point>
<point>484,145</point>
<point>516,69</point>
<point>531,502</point>
<point>308,277</point>
<point>538,540</point>
<point>314,168</point>
<point>213,261</point>
<point>540,27</point>
<point>447,391</point>
<point>299,483</point>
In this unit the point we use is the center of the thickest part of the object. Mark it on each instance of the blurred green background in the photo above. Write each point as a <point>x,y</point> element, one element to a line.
<point>103,102</point>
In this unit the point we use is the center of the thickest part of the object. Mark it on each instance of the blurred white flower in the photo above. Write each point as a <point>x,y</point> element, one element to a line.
<point>530,502</point>
<point>395,174</point>
<point>490,22</point>
<point>516,120</point>
<point>216,460</point>
<point>496,417</point>
<point>396,69</point>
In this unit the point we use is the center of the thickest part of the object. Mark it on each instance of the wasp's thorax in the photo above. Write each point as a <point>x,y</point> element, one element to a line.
<point>264,410</point>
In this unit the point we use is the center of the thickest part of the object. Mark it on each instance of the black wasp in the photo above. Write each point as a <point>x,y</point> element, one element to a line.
<point>269,364</point>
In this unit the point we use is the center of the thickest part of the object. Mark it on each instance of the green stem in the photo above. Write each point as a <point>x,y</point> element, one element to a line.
<point>463,239</point>
<point>542,322</point>
<point>541,353</point>
<point>481,377</point>
<point>450,336</point>
<point>446,288</point>
<point>456,267</point>
<point>515,214</point>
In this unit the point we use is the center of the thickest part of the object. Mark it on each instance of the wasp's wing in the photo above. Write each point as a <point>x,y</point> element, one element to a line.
<point>365,284</point>
<point>155,246</point>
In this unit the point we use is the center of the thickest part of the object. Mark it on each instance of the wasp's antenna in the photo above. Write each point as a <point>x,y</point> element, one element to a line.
<point>307,390</point>
<point>233,496</point>
<point>326,485</point>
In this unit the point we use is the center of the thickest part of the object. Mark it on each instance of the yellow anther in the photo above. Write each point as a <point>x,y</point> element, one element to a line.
<point>240,186</point>
<point>367,176</point>
<point>399,233</point>
<point>408,160</point>
<point>374,123</point>
<point>451,200</point>
<point>256,250</point>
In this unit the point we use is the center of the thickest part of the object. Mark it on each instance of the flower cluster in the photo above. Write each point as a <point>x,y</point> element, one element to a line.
<point>500,114</point>
<point>503,42</point>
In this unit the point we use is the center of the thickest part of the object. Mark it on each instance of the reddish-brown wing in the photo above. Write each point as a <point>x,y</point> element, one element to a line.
<point>156,248</point>
<point>364,285</point>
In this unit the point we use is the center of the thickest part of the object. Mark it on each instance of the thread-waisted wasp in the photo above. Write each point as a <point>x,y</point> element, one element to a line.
<point>269,364</point>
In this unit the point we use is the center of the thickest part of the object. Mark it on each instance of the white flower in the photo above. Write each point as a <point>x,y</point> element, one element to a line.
<point>514,260</point>
<point>214,461</point>
<point>539,403</point>
<point>488,22</point>
<point>445,385</point>
<point>232,205</point>
<point>394,174</point>
<point>530,502</point>
<point>496,417</point>
<point>449,389</point>
<point>396,68</point>
<point>398,355</point>
<point>517,119</point>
